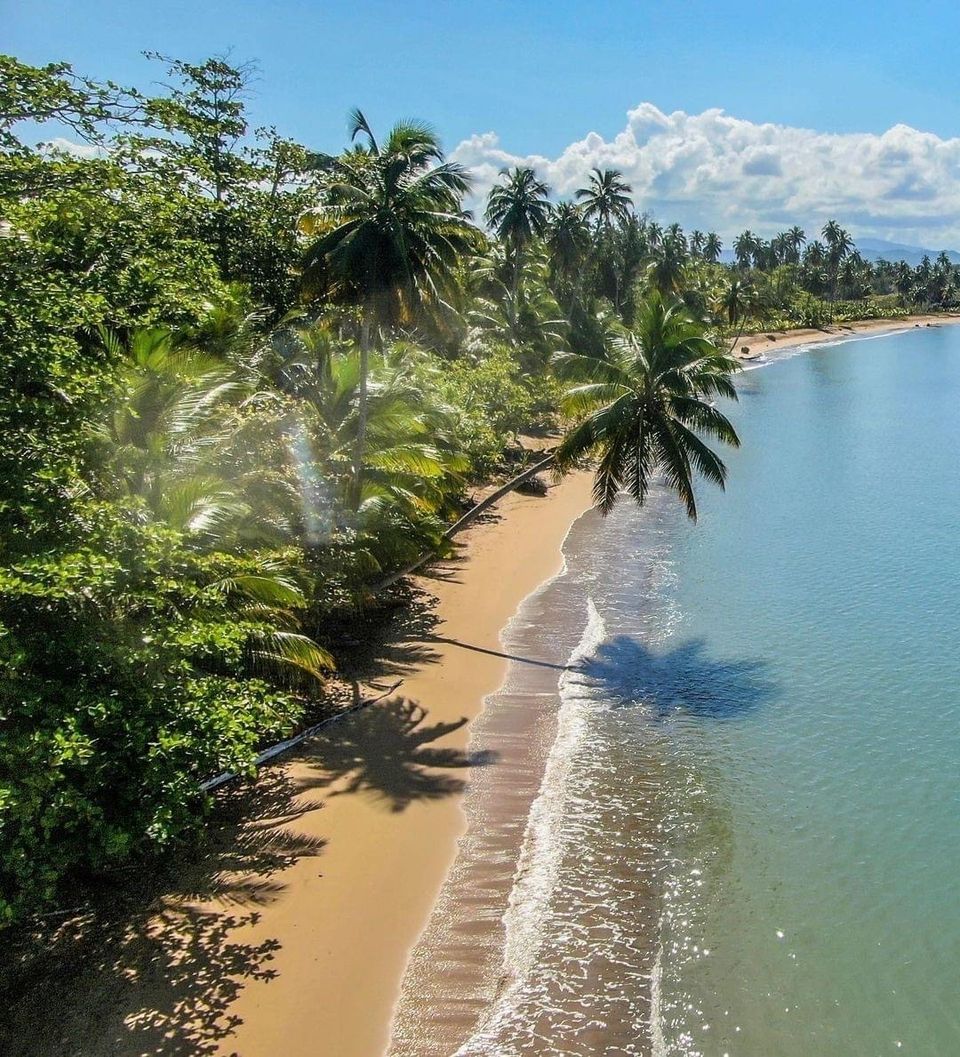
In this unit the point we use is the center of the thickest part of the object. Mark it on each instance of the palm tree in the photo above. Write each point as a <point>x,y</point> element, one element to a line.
<point>666,267</point>
<point>606,198</point>
<point>712,247</point>
<point>795,238</point>
<point>697,242</point>
<point>568,240</point>
<point>391,232</point>
<point>606,201</point>
<point>744,247</point>
<point>645,405</point>
<point>518,211</point>
<point>839,244</point>
<point>904,282</point>
<point>736,303</point>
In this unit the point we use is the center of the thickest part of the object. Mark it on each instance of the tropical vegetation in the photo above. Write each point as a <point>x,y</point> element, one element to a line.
<point>246,382</point>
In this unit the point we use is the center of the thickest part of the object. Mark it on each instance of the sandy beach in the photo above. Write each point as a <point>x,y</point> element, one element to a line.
<point>752,346</point>
<point>293,936</point>
<point>390,822</point>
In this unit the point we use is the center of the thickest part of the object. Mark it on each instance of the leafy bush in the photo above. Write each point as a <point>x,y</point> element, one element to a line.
<point>495,401</point>
<point>124,680</point>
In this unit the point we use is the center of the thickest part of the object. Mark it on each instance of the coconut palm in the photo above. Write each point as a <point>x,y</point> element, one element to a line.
<point>410,455</point>
<point>518,211</point>
<point>667,263</point>
<point>390,233</point>
<point>904,282</point>
<point>839,244</point>
<point>568,241</point>
<point>606,198</point>
<point>161,444</point>
<point>712,247</point>
<point>644,406</point>
<point>736,303</point>
<point>795,238</point>
<point>744,247</point>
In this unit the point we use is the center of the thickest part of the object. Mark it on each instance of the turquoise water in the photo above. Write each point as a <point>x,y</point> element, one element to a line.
<point>732,825</point>
<point>800,657</point>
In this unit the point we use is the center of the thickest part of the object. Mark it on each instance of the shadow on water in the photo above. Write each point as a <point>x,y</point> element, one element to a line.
<point>152,960</point>
<point>683,679</point>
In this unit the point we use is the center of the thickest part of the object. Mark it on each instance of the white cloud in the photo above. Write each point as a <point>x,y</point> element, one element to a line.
<point>718,172</point>
<point>85,151</point>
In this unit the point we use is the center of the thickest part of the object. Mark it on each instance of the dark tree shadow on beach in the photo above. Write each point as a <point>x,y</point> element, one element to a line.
<point>392,639</point>
<point>143,967</point>
<point>386,751</point>
<point>682,679</point>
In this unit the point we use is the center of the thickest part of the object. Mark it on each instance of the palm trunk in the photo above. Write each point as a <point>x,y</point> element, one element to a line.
<point>359,450</point>
<point>515,290</point>
<point>743,323</point>
<point>468,518</point>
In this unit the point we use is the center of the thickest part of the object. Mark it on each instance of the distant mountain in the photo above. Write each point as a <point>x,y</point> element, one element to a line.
<point>880,249</point>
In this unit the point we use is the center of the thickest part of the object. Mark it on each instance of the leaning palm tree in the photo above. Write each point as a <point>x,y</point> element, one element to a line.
<point>518,211</point>
<point>736,304</point>
<point>645,404</point>
<point>390,231</point>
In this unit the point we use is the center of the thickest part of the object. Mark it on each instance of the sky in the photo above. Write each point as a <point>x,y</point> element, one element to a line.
<point>722,115</point>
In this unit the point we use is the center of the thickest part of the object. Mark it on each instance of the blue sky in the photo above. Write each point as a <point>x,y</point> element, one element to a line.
<point>539,75</point>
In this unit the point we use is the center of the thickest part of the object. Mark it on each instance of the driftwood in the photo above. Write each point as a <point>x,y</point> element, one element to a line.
<point>468,518</point>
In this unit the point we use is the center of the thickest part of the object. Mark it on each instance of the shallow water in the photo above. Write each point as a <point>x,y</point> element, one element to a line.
<point>738,827</point>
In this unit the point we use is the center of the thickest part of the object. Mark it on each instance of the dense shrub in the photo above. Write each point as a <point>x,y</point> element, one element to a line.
<point>124,679</point>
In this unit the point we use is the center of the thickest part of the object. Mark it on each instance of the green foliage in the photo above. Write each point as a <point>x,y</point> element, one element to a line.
<point>124,679</point>
<point>495,401</point>
<point>245,381</point>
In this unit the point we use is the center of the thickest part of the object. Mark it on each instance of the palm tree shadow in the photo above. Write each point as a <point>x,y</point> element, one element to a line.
<point>685,679</point>
<point>386,752</point>
<point>146,964</point>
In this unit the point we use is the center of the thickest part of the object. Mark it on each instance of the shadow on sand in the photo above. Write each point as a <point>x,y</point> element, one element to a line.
<point>153,961</point>
<point>386,752</point>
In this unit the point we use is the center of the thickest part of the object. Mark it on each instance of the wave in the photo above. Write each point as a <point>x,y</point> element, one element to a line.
<point>538,869</point>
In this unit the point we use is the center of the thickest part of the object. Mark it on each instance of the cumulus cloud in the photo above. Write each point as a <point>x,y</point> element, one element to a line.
<point>722,173</point>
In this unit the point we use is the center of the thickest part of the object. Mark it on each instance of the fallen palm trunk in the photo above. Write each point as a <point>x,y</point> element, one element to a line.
<point>283,746</point>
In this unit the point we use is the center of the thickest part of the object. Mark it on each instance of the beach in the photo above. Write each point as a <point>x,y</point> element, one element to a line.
<point>752,346</point>
<point>295,934</point>
<point>347,920</point>
<point>300,930</point>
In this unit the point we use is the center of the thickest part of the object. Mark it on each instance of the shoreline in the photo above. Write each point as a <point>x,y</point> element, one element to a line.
<point>751,347</point>
<point>292,931</point>
<point>302,948</point>
<point>389,848</point>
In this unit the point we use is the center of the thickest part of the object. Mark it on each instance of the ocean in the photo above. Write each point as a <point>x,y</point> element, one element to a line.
<point>721,816</point>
